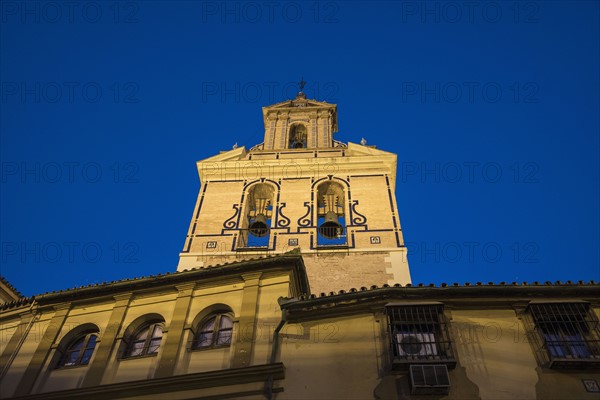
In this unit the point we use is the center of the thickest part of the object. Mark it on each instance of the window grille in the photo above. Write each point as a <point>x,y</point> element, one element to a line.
<point>419,335</point>
<point>565,335</point>
<point>429,380</point>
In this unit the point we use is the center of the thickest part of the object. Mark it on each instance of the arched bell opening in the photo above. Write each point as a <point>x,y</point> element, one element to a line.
<point>298,137</point>
<point>331,216</point>
<point>259,209</point>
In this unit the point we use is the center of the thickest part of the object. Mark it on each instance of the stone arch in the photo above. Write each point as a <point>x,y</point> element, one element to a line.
<point>135,326</point>
<point>71,336</point>
<point>256,224</point>
<point>331,211</point>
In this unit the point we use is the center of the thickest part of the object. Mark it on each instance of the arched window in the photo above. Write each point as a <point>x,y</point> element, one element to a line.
<point>214,331</point>
<point>298,137</point>
<point>145,341</point>
<point>79,351</point>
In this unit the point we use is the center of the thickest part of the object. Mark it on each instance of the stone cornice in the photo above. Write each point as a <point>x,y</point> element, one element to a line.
<point>171,384</point>
<point>468,296</point>
<point>9,289</point>
<point>217,272</point>
<point>309,167</point>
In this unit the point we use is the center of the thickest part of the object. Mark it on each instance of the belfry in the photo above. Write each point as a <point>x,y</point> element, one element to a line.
<point>301,189</point>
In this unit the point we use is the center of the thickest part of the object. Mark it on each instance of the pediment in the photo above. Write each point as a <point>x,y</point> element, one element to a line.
<point>230,155</point>
<point>298,103</point>
<point>355,149</point>
<point>301,106</point>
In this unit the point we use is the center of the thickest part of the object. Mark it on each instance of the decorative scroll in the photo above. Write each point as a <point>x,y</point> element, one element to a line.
<point>306,220</point>
<point>337,143</point>
<point>231,223</point>
<point>259,146</point>
<point>357,218</point>
<point>282,221</point>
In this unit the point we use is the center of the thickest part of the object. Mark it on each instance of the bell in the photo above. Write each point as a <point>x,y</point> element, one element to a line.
<point>259,227</point>
<point>331,228</point>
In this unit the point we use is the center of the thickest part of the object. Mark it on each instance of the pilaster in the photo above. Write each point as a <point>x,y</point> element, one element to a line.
<point>43,350</point>
<point>106,344</point>
<point>247,321</point>
<point>172,347</point>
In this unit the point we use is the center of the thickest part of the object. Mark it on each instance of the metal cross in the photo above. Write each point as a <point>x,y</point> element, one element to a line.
<point>301,84</point>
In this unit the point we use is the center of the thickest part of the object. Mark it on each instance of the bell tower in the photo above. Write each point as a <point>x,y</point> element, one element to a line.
<point>301,189</point>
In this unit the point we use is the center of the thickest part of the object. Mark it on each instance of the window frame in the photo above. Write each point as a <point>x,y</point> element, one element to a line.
<point>429,325</point>
<point>64,354</point>
<point>216,330</point>
<point>564,335</point>
<point>132,339</point>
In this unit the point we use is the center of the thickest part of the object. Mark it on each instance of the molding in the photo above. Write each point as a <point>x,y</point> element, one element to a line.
<point>286,261</point>
<point>177,383</point>
<point>252,277</point>
<point>185,289</point>
<point>464,297</point>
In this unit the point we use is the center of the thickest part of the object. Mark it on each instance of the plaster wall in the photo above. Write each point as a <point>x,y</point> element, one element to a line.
<point>330,359</point>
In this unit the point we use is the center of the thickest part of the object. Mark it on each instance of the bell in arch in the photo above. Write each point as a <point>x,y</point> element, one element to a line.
<point>258,218</point>
<point>298,137</point>
<point>331,227</point>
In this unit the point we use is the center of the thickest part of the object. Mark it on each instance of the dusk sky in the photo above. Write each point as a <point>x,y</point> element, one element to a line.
<point>491,107</point>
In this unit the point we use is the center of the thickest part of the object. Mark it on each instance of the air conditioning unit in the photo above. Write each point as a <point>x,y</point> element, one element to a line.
<point>429,380</point>
<point>416,344</point>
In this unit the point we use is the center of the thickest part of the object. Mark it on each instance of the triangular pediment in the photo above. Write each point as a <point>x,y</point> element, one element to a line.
<point>297,103</point>
<point>230,155</point>
<point>299,123</point>
<point>355,149</point>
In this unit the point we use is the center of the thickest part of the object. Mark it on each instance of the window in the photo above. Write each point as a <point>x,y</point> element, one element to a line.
<point>79,351</point>
<point>565,335</point>
<point>215,331</point>
<point>145,341</point>
<point>419,335</point>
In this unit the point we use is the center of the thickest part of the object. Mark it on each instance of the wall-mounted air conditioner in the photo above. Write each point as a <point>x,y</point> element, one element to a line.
<point>416,344</point>
<point>429,380</point>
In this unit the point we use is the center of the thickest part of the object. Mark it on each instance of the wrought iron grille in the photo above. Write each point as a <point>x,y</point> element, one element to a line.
<point>331,235</point>
<point>565,335</point>
<point>420,334</point>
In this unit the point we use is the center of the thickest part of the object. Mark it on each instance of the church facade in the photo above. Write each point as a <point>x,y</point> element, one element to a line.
<point>273,298</point>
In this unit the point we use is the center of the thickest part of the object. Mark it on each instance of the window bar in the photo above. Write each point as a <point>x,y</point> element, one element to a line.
<point>430,328</point>
<point>568,332</point>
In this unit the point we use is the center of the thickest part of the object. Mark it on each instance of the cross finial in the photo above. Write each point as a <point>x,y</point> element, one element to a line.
<point>301,84</point>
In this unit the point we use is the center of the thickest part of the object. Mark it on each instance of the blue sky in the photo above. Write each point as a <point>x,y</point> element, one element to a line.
<point>492,109</point>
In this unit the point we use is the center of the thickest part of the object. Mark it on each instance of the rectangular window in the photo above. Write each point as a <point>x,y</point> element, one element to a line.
<point>419,335</point>
<point>565,335</point>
